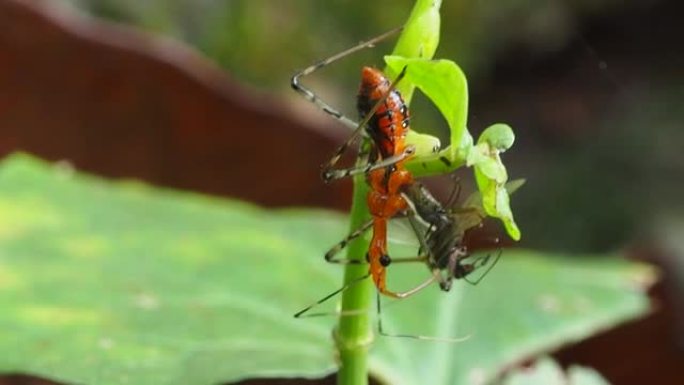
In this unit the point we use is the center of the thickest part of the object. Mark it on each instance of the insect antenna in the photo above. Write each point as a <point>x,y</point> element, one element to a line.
<point>383,333</point>
<point>481,263</point>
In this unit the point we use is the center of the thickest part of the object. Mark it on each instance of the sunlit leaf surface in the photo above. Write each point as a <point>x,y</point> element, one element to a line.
<point>530,302</point>
<point>104,283</point>
<point>119,283</point>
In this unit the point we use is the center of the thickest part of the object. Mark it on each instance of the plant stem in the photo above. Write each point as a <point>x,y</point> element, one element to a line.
<point>353,334</point>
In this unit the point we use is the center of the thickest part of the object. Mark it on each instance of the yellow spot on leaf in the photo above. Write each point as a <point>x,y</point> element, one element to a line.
<point>58,316</point>
<point>8,278</point>
<point>147,301</point>
<point>20,215</point>
<point>85,246</point>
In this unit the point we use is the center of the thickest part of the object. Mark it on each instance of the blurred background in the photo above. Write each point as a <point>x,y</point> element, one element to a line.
<point>195,94</point>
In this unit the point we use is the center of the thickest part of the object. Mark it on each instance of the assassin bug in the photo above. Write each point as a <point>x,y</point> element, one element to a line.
<point>385,119</point>
<point>374,89</point>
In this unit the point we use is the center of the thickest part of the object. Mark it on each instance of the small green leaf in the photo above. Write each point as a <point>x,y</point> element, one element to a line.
<point>444,83</point>
<point>424,144</point>
<point>503,212</point>
<point>499,136</point>
<point>474,200</point>
<point>496,202</point>
<point>469,219</point>
<point>489,165</point>
<point>443,161</point>
<point>491,175</point>
<point>515,185</point>
<point>466,145</point>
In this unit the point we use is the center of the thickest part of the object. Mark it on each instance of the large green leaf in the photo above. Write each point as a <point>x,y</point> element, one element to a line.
<point>529,303</point>
<point>118,283</point>
<point>105,283</point>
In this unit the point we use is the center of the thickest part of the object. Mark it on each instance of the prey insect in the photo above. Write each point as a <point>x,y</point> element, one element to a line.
<point>442,233</point>
<point>445,234</point>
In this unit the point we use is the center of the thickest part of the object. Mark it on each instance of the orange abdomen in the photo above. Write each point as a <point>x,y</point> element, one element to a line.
<point>390,122</point>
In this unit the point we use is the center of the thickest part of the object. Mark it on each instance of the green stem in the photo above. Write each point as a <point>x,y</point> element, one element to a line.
<point>353,334</point>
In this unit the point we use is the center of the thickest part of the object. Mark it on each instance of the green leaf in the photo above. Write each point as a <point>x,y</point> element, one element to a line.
<point>423,143</point>
<point>491,174</point>
<point>119,283</point>
<point>444,83</point>
<point>528,303</point>
<point>489,167</point>
<point>469,219</point>
<point>515,185</point>
<point>499,136</point>
<point>548,372</point>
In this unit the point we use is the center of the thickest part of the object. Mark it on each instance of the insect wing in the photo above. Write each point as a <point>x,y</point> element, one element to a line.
<point>401,233</point>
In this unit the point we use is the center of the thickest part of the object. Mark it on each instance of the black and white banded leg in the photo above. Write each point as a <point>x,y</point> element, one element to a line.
<point>330,255</point>
<point>331,174</point>
<point>310,96</point>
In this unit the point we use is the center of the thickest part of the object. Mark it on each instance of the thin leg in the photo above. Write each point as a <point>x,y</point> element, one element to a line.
<point>423,235</point>
<point>414,220</point>
<point>330,175</point>
<point>455,192</point>
<point>310,96</point>
<point>300,314</point>
<point>482,263</point>
<point>382,332</point>
<point>408,293</point>
<point>330,255</point>
<point>420,258</point>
